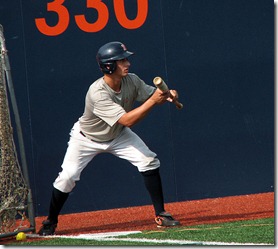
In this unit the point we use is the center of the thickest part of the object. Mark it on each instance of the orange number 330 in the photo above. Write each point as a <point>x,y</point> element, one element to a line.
<point>103,17</point>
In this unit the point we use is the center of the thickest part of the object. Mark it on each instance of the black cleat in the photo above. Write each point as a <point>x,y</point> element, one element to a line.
<point>48,228</point>
<point>165,219</point>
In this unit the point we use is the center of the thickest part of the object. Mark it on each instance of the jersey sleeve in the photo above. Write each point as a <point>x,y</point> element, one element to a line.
<point>144,91</point>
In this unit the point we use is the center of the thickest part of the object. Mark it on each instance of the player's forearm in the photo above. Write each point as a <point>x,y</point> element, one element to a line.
<point>133,117</point>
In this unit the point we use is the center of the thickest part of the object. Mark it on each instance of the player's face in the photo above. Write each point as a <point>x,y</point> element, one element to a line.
<point>123,67</point>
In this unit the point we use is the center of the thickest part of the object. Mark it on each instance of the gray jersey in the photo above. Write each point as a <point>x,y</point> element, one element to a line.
<point>104,107</point>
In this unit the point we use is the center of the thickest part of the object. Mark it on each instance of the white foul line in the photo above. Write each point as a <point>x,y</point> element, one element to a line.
<point>112,237</point>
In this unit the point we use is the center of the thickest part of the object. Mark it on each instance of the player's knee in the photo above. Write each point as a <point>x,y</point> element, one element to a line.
<point>65,182</point>
<point>151,164</point>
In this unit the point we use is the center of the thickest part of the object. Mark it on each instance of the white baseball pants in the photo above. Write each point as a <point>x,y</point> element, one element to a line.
<point>82,150</point>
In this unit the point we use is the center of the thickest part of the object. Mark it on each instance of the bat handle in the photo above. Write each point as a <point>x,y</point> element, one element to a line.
<point>178,104</point>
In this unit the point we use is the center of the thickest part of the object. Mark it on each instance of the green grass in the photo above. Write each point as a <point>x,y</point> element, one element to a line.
<point>251,231</point>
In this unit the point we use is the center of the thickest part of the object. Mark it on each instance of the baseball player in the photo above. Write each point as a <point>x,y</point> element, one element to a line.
<point>104,127</point>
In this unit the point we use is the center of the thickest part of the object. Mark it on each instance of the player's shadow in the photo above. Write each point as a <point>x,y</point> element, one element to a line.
<point>134,225</point>
<point>198,218</point>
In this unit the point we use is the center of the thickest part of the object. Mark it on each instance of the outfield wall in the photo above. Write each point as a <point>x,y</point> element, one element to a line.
<point>219,55</point>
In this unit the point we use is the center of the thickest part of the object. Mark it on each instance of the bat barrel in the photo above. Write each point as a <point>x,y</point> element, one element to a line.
<point>157,80</point>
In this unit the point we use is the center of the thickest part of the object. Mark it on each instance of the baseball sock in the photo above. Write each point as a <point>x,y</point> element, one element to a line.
<point>58,199</point>
<point>152,182</point>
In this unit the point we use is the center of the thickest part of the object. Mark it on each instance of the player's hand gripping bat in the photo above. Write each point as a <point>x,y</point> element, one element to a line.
<point>160,84</point>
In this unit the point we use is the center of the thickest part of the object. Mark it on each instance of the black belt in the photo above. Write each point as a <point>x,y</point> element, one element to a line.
<point>92,139</point>
<point>82,134</point>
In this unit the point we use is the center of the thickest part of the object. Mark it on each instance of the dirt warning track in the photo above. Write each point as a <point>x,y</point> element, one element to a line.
<point>206,211</point>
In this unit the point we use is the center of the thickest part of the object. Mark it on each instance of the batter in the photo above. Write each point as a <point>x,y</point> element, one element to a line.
<point>104,127</point>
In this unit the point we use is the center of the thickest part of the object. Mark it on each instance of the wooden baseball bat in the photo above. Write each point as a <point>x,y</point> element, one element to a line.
<point>160,84</point>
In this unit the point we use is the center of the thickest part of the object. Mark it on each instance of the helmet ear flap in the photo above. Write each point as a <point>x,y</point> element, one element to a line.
<point>108,67</point>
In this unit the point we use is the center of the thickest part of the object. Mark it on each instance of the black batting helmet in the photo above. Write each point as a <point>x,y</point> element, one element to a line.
<point>109,53</point>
